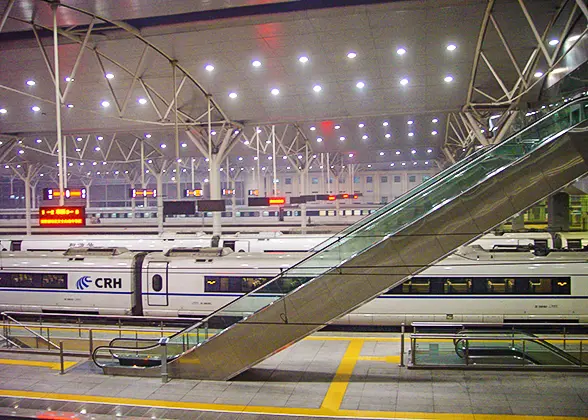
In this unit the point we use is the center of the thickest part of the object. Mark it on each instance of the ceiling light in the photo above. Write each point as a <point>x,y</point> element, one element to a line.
<point>342,138</point>
<point>414,163</point>
<point>351,54</point>
<point>35,108</point>
<point>381,153</point>
<point>413,152</point>
<point>303,59</point>
<point>68,79</point>
<point>410,134</point>
<point>78,149</point>
<point>451,47</point>
<point>70,105</point>
<point>256,63</point>
<point>142,101</point>
<point>31,82</point>
<point>426,162</point>
<point>385,123</point>
<point>319,140</point>
<point>213,133</point>
<point>299,156</point>
<point>100,138</point>
<point>20,152</point>
<point>184,145</point>
<point>429,150</point>
<point>388,135</point>
<point>147,135</point>
<point>401,51</point>
<point>78,139</point>
<point>448,78</point>
<point>360,85</point>
<point>410,122</point>
<point>3,111</point>
<point>365,137</point>
<point>105,104</point>
<point>538,74</point>
<point>434,120</point>
<point>254,157</point>
<point>209,67</point>
<point>163,145</point>
<point>350,155</point>
<point>398,152</point>
<point>246,142</point>
<point>38,141</point>
<point>317,88</point>
<point>553,42</point>
<point>97,148</point>
<point>269,158</point>
<point>109,76</point>
<point>337,127</point>
<point>81,163</point>
<point>233,95</point>
<point>361,125</point>
<point>286,157</point>
<point>433,133</point>
<point>403,163</point>
<point>392,164</point>
<point>70,164</point>
<point>313,128</point>
<point>404,81</point>
<point>275,91</point>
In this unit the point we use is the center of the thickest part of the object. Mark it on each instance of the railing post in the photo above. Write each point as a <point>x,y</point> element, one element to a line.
<point>48,339</point>
<point>581,361</point>
<point>413,351</point>
<point>61,357</point>
<point>163,343</point>
<point>91,341</point>
<point>119,328</point>
<point>523,358</point>
<point>402,345</point>
<point>467,352</point>
<point>564,337</point>
<point>79,327</point>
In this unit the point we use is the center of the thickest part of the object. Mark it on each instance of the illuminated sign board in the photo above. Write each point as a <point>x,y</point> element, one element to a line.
<point>179,207</point>
<point>135,193</point>
<point>62,216</point>
<point>266,201</point>
<point>193,193</point>
<point>332,197</point>
<point>211,205</point>
<point>53,193</point>
<point>254,193</point>
<point>228,191</point>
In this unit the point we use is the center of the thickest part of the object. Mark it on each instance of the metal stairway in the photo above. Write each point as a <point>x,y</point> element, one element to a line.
<point>381,251</point>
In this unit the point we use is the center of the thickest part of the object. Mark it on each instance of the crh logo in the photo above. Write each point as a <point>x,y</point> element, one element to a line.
<point>83,282</point>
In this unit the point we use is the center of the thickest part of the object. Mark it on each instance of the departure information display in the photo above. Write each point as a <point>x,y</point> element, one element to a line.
<point>53,193</point>
<point>62,216</point>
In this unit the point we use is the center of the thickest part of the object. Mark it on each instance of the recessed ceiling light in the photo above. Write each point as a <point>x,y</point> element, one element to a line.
<point>70,105</point>
<point>337,127</point>
<point>414,163</point>
<point>451,47</point>
<point>31,82</point>
<point>97,148</point>
<point>142,101</point>
<point>398,152</point>
<point>385,123</point>
<point>109,76</point>
<point>147,135</point>
<point>3,111</point>
<point>426,162</point>
<point>361,125</point>
<point>213,133</point>
<point>404,81</point>
<point>553,42</point>
<point>78,149</point>
<point>401,51</point>
<point>538,74</point>
<point>381,153</point>
<point>403,163</point>
<point>317,88</point>
<point>392,164</point>
<point>434,120</point>
<point>35,108</point>
<point>318,140</point>
<point>342,138</point>
<point>163,145</point>
<point>410,122</point>
<point>184,145</point>
<point>105,104</point>
<point>411,134</point>
<point>286,157</point>
<point>350,155</point>
<point>365,137</point>
<point>351,54</point>
<point>429,150</point>
<point>100,138</point>
<point>303,59</point>
<point>78,139</point>
<point>209,67</point>
<point>268,158</point>
<point>38,141</point>
<point>433,133</point>
<point>20,152</point>
<point>448,78</point>
<point>313,128</point>
<point>388,135</point>
<point>413,152</point>
<point>70,164</point>
<point>68,79</point>
<point>360,85</point>
<point>256,63</point>
<point>275,91</point>
<point>233,95</point>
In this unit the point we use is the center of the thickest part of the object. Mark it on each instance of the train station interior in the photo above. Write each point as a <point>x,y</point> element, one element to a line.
<point>294,209</point>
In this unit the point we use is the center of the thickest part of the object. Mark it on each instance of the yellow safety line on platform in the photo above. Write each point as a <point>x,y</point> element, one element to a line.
<point>52,365</point>
<point>387,359</point>
<point>336,392</point>
<point>327,338</point>
<point>366,414</point>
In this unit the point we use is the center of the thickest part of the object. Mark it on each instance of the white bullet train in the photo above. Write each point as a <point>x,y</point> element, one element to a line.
<point>262,242</point>
<point>472,285</point>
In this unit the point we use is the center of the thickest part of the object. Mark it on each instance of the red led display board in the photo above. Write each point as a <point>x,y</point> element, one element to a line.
<point>62,216</point>
<point>266,201</point>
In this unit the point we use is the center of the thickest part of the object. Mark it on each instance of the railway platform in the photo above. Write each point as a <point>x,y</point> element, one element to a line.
<point>327,375</point>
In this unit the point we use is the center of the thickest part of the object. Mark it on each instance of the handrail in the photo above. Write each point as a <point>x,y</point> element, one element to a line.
<point>81,315</point>
<point>49,342</point>
<point>2,337</point>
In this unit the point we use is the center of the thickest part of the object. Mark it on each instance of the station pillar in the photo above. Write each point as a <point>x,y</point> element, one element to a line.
<point>558,212</point>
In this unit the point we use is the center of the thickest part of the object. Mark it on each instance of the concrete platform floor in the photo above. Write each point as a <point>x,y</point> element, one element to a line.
<point>328,375</point>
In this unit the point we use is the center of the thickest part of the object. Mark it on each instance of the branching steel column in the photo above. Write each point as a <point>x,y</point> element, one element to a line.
<point>5,14</point>
<point>62,170</point>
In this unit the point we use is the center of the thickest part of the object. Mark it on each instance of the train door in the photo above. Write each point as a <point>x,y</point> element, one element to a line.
<point>157,283</point>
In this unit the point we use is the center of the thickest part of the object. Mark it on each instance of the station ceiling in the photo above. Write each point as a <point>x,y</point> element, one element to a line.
<point>372,80</point>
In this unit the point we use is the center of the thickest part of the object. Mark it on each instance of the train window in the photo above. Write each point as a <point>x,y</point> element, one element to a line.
<point>54,281</point>
<point>157,283</point>
<point>288,181</point>
<point>22,280</point>
<point>251,283</point>
<point>498,285</point>
<point>234,284</point>
<point>561,286</point>
<point>412,178</point>
<point>5,280</point>
<point>384,179</point>
<point>396,178</point>
<point>369,179</point>
<point>416,286</point>
<point>540,286</point>
<point>457,286</point>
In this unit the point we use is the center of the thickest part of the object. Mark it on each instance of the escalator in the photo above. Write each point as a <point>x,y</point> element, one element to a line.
<point>510,348</point>
<point>379,252</point>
